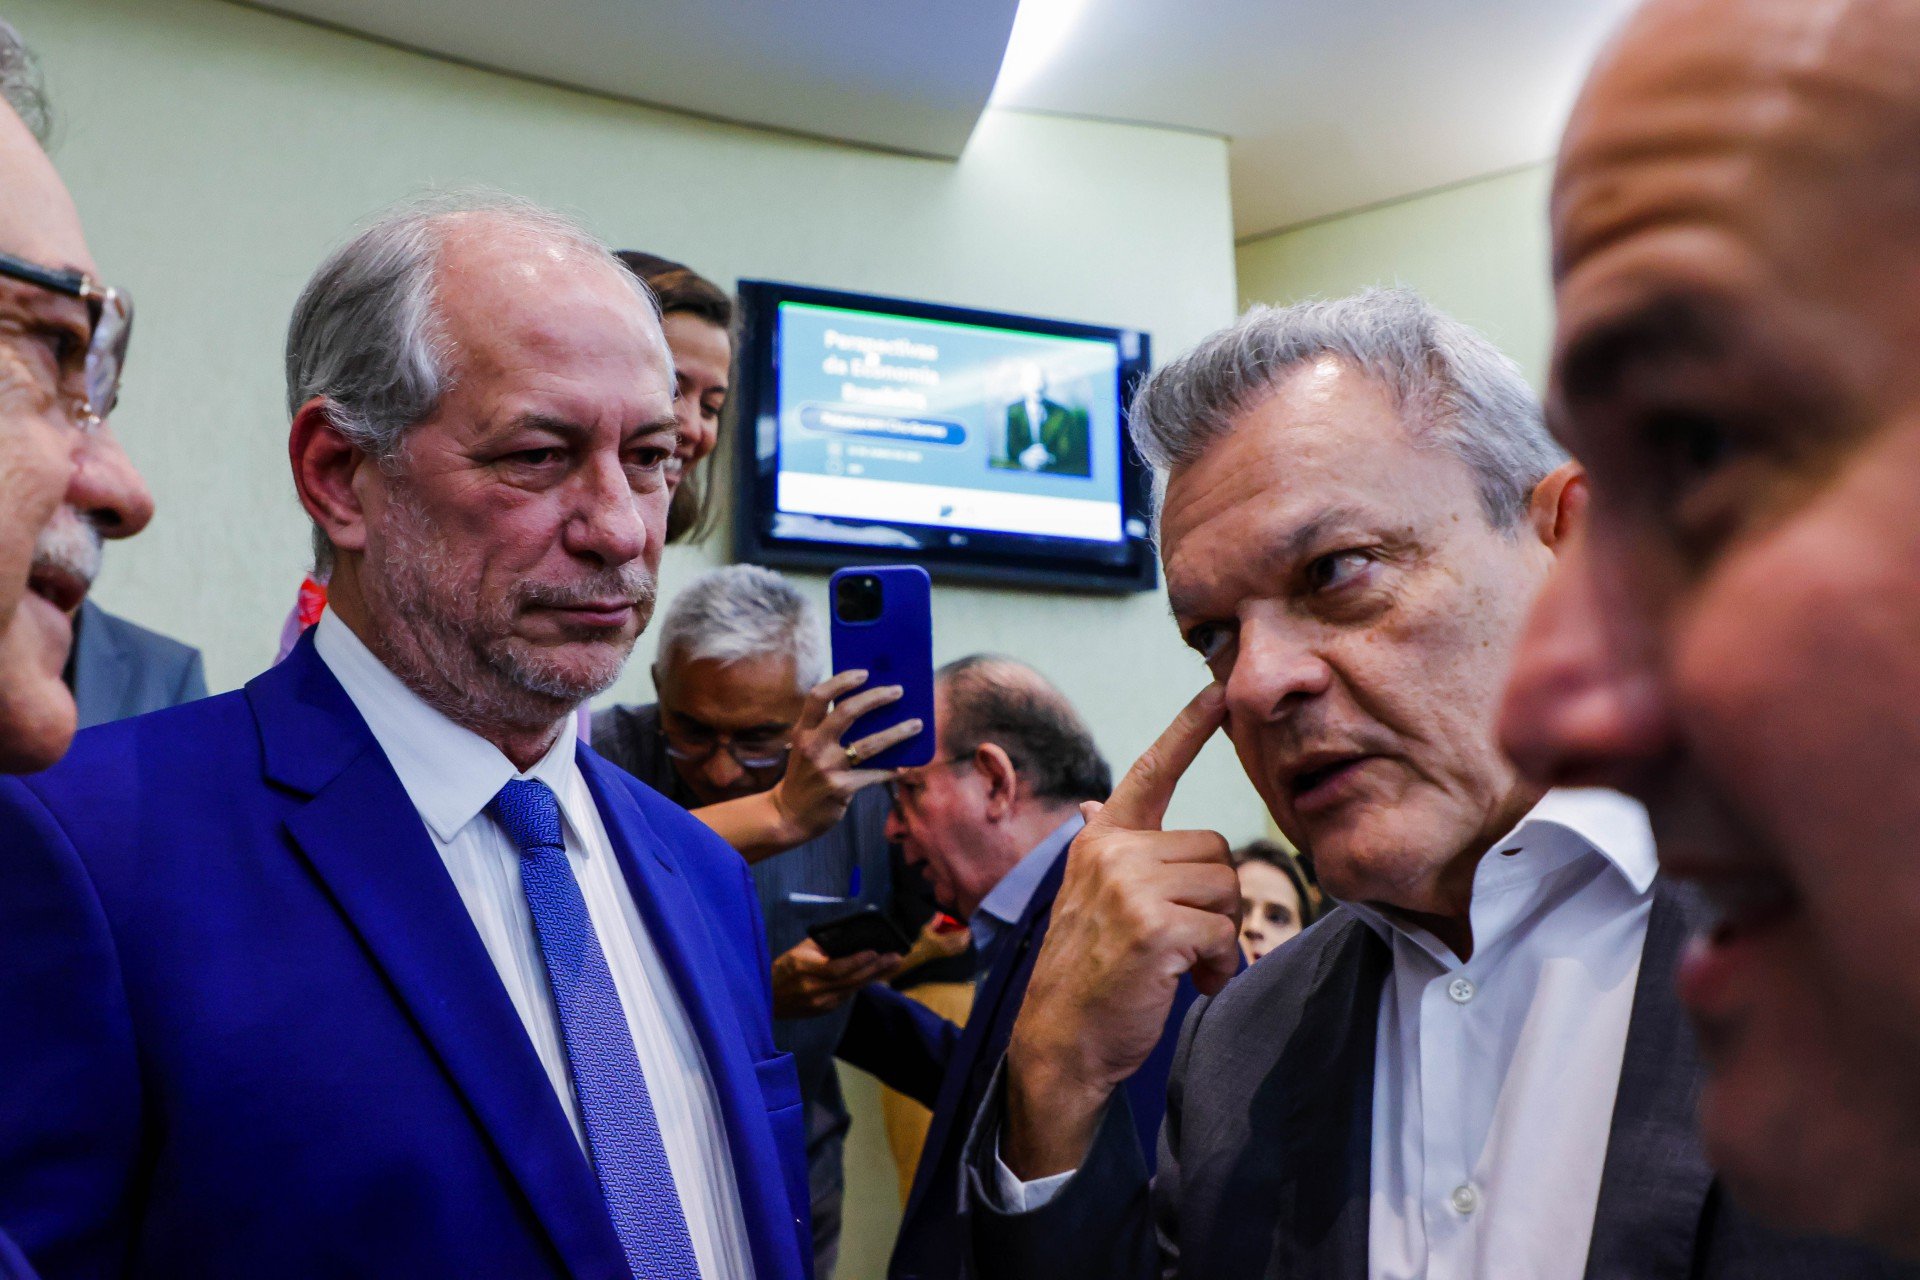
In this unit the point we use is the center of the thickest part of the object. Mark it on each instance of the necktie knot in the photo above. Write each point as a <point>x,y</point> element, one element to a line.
<point>528,811</point>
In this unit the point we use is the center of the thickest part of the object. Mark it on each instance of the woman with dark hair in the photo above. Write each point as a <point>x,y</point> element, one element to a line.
<point>1275,900</point>
<point>697,316</point>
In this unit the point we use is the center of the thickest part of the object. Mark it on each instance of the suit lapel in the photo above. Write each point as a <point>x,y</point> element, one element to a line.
<point>363,837</point>
<point>1653,1187</point>
<point>677,927</point>
<point>1314,1114</point>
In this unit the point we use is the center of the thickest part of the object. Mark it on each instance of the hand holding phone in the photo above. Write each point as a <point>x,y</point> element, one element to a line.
<point>821,778</point>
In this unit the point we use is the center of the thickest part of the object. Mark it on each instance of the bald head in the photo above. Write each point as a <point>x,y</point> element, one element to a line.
<point>985,698</point>
<point>1736,225</point>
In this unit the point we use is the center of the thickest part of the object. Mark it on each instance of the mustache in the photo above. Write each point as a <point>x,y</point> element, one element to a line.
<point>71,544</point>
<point>631,582</point>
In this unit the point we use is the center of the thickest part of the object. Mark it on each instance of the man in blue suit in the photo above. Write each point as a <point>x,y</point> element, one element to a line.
<point>60,467</point>
<point>990,821</point>
<point>371,968</point>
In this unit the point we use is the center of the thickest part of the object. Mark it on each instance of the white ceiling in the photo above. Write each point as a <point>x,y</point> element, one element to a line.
<point>904,76</point>
<point>1333,105</point>
<point>1328,106</point>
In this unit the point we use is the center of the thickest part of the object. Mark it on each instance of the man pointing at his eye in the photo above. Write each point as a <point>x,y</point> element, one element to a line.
<point>1473,1066</point>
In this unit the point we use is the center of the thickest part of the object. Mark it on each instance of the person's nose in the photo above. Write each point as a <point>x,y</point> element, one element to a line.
<point>1584,705</point>
<point>106,489</point>
<point>896,828</point>
<point>723,771</point>
<point>609,523</point>
<point>1275,669</point>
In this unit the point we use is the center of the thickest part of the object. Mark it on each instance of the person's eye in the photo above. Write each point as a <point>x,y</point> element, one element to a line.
<point>1691,444</point>
<point>648,457</point>
<point>1341,568</point>
<point>535,457</point>
<point>1209,640</point>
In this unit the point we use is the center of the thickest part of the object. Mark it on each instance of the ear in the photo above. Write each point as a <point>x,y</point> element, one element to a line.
<point>327,471</point>
<point>1559,504</point>
<point>1003,782</point>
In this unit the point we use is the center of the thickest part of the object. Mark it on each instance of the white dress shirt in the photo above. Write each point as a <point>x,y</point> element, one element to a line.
<point>1494,1079</point>
<point>451,773</point>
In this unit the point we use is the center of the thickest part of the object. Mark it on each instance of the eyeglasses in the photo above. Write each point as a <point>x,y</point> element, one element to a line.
<point>749,753</point>
<point>901,789</point>
<point>110,317</point>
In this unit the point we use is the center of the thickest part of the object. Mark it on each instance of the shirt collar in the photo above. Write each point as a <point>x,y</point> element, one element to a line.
<point>449,772</point>
<point>1568,824</point>
<point>1008,900</point>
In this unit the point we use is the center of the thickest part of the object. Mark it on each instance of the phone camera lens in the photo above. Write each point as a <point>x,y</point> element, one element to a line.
<point>856,598</point>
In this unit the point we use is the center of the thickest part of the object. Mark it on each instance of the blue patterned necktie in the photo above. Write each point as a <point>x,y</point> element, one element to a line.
<point>622,1131</point>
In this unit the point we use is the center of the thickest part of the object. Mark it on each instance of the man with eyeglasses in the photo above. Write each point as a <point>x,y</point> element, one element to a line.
<point>743,735</point>
<point>989,821</point>
<point>62,339</point>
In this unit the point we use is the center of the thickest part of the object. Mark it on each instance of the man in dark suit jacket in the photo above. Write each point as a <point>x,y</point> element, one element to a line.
<point>121,669</point>
<point>372,968</point>
<point>1043,434</point>
<point>990,822</point>
<point>1474,1065</point>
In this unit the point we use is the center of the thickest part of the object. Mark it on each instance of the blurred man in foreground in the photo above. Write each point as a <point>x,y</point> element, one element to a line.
<point>370,969</point>
<point>1473,1066</point>
<point>989,822</point>
<point>1736,229</point>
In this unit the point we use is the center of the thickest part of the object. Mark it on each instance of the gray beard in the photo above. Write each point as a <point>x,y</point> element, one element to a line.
<point>454,648</point>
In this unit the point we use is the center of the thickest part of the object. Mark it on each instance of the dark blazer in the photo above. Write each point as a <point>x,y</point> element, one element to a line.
<point>1266,1155</point>
<point>1062,430</point>
<point>914,1050</point>
<point>251,1030</point>
<point>121,669</point>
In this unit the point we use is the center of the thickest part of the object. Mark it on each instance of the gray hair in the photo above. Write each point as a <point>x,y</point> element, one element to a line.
<point>745,611</point>
<point>1456,388</point>
<point>367,335</point>
<point>21,85</point>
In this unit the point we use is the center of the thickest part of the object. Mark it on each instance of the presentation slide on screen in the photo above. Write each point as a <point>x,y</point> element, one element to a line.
<point>958,426</point>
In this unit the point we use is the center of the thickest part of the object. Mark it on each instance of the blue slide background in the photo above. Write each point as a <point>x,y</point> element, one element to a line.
<point>978,370</point>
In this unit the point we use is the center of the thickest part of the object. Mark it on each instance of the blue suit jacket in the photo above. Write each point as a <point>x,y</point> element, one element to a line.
<point>912,1049</point>
<point>250,1029</point>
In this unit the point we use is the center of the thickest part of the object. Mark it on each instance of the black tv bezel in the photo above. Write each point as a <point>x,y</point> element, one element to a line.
<point>755,396</point>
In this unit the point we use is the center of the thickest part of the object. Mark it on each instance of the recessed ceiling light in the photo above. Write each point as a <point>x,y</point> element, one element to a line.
<point>1040,30</point>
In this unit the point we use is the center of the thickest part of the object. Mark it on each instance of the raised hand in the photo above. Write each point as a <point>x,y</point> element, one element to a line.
<point>1138,908</point>
<point>823,776</point>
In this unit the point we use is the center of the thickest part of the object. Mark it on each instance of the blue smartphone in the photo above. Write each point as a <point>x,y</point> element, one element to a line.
<point>883,624</point>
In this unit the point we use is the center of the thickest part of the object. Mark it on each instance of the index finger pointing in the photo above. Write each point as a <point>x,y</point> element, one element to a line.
<point>1139,803</point>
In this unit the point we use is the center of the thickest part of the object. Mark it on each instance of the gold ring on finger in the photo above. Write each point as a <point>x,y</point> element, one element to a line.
<point>853,757</point>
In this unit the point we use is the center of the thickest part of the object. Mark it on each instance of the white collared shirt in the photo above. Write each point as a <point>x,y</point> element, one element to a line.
<point>451,773</point>
<point>1494,1080</point>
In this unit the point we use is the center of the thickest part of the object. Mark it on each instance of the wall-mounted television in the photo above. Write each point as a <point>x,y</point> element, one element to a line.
<point>978,445</point>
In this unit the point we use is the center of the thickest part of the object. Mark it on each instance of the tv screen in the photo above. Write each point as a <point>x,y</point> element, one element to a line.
<point>976,444</point>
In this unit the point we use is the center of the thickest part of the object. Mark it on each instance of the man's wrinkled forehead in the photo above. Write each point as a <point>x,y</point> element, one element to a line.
<point>1741,112</point>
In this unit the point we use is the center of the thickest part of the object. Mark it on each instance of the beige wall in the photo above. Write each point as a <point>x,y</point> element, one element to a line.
<point>1478,251</point>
